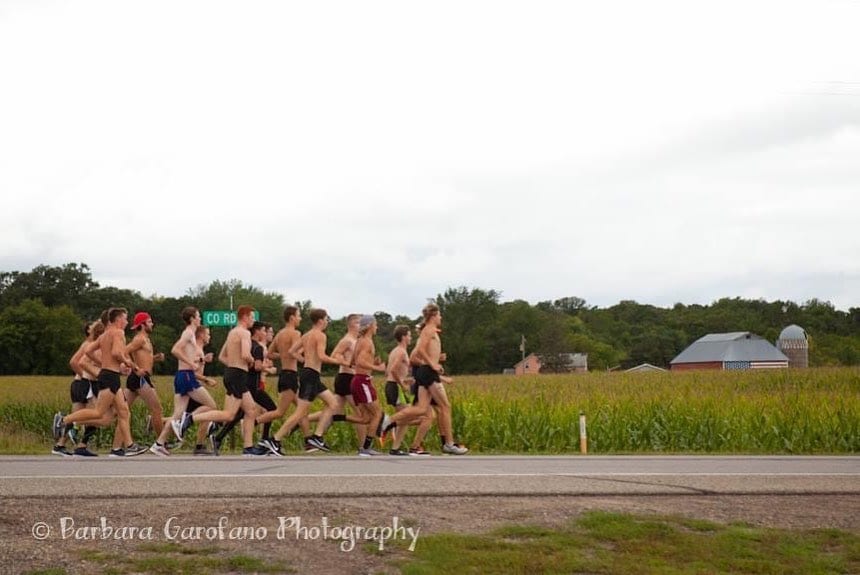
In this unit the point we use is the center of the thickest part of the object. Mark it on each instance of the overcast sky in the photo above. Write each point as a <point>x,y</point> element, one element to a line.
<point>367,155</point>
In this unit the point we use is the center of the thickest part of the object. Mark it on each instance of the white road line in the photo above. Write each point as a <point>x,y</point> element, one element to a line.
<point>418,476</point>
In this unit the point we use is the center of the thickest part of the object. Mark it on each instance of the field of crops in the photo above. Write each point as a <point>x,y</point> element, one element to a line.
<point>786,411</point>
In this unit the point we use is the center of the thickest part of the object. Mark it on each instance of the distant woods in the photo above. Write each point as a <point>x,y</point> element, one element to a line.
<point>42,312</point>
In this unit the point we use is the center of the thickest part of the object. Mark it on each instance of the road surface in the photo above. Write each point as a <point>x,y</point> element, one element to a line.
<point>332,475</point>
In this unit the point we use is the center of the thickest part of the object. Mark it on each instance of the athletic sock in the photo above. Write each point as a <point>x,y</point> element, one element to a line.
<point>199,446</point>
<point>339,417</point>
<point>368,442</point>
<point>267,428</point>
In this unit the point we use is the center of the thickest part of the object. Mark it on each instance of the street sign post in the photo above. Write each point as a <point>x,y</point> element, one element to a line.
<point>223,318</point>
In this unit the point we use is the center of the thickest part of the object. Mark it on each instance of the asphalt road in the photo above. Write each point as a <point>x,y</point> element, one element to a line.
<point>183,476</point>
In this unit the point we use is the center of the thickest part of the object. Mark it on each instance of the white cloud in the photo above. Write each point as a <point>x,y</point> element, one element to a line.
<point>371,155</point>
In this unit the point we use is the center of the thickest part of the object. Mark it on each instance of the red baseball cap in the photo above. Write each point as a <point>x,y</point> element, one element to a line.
<point>140,319</point>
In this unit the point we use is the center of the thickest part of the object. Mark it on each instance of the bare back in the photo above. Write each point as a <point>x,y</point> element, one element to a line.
<point>429,342</point>
<point>345,349</point>
<point>111,345</point>
<point>363,355</point>
<point>284,340</point>
<point>187,345</point>
<point>312,342</point>
<point>237,348</point>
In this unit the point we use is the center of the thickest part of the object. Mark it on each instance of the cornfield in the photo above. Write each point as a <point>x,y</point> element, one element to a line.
<point>814,411</point>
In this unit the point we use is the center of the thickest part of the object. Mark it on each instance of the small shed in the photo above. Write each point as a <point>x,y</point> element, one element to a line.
<point>644,367</point>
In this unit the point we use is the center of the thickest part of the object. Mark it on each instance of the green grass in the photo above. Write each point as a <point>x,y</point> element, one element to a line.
<point>601,542</point>
<point>172,558</point>
<point>812,411</point>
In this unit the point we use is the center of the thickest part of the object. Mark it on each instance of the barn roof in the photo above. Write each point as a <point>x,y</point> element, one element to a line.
<point>735,346</point>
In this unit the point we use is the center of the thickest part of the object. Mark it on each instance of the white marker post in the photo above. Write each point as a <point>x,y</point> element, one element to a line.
<point>583,438</point>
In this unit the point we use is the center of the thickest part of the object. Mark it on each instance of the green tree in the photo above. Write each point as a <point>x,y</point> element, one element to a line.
<point>467,318</point>
<point>38,340</point>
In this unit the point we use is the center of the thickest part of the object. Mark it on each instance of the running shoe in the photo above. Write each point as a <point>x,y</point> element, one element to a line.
<point>159,450</point>
<point>272,445</point>
<point>83,452</point>
<point>418,451</point>
<point>383,424</point>
<point>117,452</point>
<point>135,449</point>
<point>57,426</point>
<point>454,449</point>
<point>399,451</point>
<point>319,443</point>
<point>215,444</point>
<point>61,451</point>
<point>177,428</point>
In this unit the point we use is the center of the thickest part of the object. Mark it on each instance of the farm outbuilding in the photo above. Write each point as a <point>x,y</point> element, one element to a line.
<point>794,343</point>
<point>569,362</point>
<point>644,367</point>
<point>736,350</point>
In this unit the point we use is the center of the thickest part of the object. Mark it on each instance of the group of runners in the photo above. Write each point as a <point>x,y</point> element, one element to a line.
<point>414,386</point>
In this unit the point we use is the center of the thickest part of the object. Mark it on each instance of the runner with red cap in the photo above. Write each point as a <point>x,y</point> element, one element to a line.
<point>139,384</point>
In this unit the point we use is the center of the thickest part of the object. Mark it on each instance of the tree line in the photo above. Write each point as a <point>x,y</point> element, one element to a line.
<point>42,312</point>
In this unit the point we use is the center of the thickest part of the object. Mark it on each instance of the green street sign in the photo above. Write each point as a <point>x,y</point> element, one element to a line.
<point>223,318</point>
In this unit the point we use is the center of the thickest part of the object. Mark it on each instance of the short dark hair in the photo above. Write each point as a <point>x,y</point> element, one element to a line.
<point>201,329</point>
<point>188,314</point>
<point>318,314</point>
<point>257,326</point>
<point>289,312</point>
<point>400,332</point>
<point>115,312</point>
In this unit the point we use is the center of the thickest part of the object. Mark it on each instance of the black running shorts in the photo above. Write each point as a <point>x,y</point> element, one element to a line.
<point>236,382</point>
<point>310,384</point>
<point>288,380</point>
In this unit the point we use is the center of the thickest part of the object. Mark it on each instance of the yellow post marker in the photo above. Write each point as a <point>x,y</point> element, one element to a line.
<point>583,438</point>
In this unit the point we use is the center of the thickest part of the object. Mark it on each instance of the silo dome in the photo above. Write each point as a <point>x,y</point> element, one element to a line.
<point>793,332</point>
<point>794,343</point>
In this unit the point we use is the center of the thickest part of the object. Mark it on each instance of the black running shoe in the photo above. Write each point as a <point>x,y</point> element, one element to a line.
<point>135,449</point>
<point>319,443</point>
<point>60,450</point>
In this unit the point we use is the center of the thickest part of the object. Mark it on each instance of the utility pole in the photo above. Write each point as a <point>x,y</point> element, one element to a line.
<point>523,352</point>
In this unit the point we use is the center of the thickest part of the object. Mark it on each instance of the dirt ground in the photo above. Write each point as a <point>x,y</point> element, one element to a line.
<point>22,552</point>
